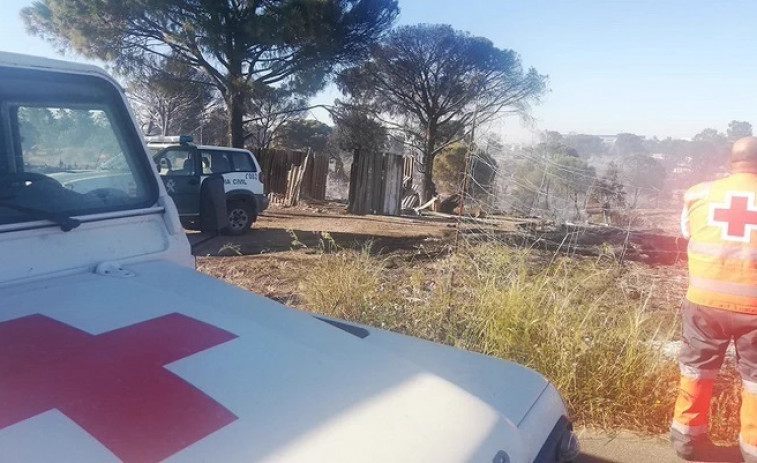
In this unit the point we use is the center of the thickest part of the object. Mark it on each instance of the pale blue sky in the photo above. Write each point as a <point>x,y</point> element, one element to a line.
<point>664,68</point>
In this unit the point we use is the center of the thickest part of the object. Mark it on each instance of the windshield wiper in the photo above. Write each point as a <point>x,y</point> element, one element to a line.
<point>66,223</point>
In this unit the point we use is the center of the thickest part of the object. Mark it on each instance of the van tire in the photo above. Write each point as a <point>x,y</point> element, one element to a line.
<point>241,217</point>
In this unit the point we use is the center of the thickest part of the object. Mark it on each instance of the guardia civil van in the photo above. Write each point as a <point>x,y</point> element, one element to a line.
<point>113,348</point>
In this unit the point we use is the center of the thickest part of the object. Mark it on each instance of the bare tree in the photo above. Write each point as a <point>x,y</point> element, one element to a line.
<point>166,104</point>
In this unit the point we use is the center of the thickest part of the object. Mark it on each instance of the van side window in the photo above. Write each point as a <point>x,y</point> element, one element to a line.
<point>179,162</point>
<point>218,162</point>
<point>242,162</point>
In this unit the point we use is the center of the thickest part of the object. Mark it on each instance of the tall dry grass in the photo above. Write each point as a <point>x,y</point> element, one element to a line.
<point>572,320</point>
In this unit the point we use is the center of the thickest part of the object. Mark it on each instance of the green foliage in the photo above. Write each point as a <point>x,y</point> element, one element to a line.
<point>240,45</point>
<point>711,136</point>
<point>627,144</point>
<point>739,129</point>
<point>357,130</point>
<point>436,81</point>
<point>709,152</point>
<point>550,178</point>
<point>642,174</point>
<point>449,170</point>
<point>586,145</point>
<point>269,110</point>
<point>301,134</point>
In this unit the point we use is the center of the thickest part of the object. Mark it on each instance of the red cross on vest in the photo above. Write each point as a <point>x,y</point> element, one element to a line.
<point>737,218</point>
<point>112,385</point>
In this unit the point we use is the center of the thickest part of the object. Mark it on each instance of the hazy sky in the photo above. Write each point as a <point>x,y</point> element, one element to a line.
<point>653,67</point>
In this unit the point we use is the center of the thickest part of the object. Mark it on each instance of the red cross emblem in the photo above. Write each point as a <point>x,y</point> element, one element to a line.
<point>113,385</point>
<point>737,217</point>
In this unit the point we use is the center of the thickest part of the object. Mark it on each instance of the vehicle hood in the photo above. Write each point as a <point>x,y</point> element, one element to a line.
<point>158,362</point>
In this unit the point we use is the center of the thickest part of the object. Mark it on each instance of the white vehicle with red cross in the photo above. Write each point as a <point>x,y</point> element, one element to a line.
<point>184,166</point>
<point>114,348</point>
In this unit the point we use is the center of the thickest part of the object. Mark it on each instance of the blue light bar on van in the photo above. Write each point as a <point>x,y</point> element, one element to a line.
<point>170,139</point>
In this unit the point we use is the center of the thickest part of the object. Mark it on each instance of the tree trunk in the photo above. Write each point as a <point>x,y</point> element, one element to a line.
<point>428,187</point>
<point>235,105</point>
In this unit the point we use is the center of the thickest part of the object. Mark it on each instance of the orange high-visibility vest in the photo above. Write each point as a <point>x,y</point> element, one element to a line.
<point>720,219</point>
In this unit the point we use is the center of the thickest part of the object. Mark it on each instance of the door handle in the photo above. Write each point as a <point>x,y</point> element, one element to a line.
<point>194,181</point>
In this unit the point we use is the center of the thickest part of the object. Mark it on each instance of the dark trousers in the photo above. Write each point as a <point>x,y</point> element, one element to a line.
<point>707,332</point>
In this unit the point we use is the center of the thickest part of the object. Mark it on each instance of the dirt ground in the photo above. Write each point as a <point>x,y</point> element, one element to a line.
<point>284,229</point>
<point>273,258</point>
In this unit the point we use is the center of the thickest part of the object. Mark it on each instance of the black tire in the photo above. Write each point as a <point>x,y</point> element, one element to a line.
<point>241,217</point>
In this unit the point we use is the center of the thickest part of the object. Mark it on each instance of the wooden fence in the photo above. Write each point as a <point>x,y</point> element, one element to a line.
<point>290,175</point>
<point>376,184</point>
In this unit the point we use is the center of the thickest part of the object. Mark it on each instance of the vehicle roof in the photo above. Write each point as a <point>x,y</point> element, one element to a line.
<point>18,60</point>
<point>222,148</point>
<point>202,147</point>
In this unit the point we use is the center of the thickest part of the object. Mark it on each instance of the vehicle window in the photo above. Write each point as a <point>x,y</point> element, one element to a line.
<point>219,162</point>
<point>241,162</point>
<point>206,163</point>
<point>68,160</point>
<point>176,161</point>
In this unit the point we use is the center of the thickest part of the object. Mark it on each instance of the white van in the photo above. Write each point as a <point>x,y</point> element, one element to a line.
<point>113,348</point>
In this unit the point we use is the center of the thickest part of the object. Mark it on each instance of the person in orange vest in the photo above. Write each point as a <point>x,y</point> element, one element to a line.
<point>720,220</point>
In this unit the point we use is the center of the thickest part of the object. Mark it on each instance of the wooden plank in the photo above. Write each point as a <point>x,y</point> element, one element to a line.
<point>365,183</point>
<point>395,176</point>
<point>398,184</point>
<point>386,167</point>
<point>296,179</point>
<point>352,194</point>
<point>360,166</point>
<point>316,177</point>
<point>408,168</point>
<point>378,183</point>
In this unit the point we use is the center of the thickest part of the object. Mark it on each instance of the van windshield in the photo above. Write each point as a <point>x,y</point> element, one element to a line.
<point>67,148</point>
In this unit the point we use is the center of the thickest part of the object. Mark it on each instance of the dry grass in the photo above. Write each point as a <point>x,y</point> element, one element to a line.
<point>592,327</point>
<point>587,325</point>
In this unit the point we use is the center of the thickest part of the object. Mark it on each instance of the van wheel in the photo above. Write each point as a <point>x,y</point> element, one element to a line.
<point>241,217</point>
